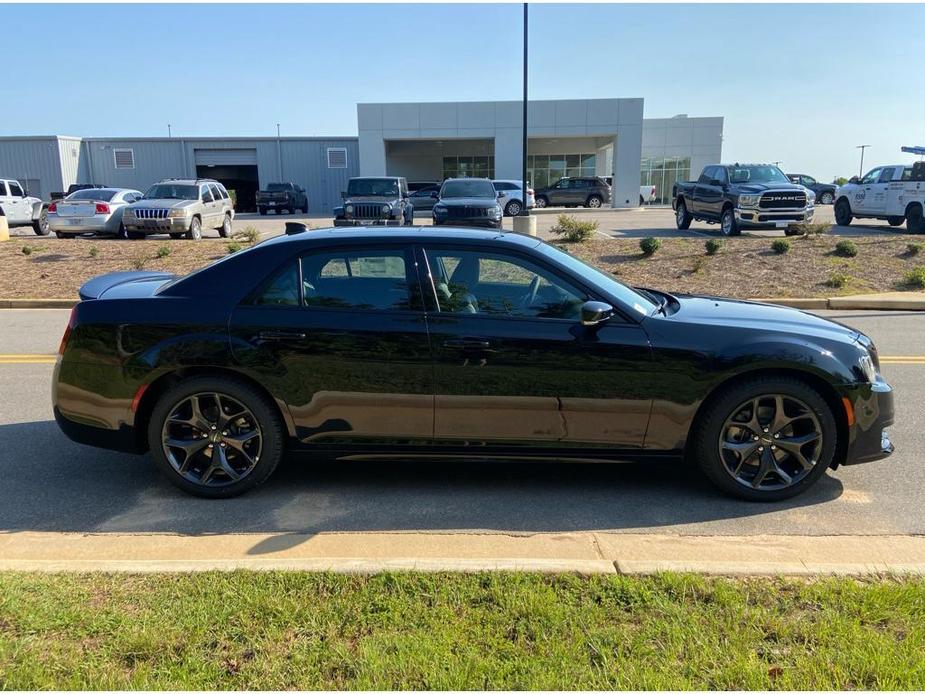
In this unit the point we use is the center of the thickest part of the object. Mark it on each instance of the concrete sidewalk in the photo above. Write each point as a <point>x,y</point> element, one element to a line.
<point>461,551</point>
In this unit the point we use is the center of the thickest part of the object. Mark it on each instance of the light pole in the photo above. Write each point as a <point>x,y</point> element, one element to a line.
<point>523,180</point>
<point>169,133</point>
<point>861,167</point>
<point>279,155</point>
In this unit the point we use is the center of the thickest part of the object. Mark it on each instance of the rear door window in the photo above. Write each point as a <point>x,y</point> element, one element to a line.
<point>363,279</point>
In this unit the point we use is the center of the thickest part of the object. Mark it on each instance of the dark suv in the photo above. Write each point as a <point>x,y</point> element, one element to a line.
<point>573,192</point>
<point>468,202</point>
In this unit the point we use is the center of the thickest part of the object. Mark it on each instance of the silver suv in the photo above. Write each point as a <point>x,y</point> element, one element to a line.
<point>181,207</point>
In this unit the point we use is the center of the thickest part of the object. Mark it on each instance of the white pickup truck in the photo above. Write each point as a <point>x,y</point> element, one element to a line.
<point>895,192</point>
<point>20,209</point>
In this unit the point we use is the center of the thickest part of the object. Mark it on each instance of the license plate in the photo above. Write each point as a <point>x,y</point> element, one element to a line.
<point>75,222</point>
<point>781,225</point>
<point>272,204</point>
<point>151,223</point>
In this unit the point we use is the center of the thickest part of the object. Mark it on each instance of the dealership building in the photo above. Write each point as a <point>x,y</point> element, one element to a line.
<point>421,141</point>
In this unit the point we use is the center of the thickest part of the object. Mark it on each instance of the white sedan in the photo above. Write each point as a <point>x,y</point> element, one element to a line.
<point>94,210</point>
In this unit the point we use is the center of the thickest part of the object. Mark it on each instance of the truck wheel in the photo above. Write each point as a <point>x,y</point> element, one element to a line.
<point>915,222</point>
<point>843,213</point>
<point>225,229</point>
<point>594,201</point>
<point>728,223</point>
<point>262,211</point>
<point>895,221</point>
<point>195,229</point>
<point>682,217</point>
<point>826,198</point>
<point>40,225</point>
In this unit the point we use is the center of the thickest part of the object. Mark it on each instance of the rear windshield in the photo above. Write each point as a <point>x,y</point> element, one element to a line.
<point>276,187</point>
<point>172,191</point>
<point>103,194</point>
<point>372,186</point>
<point>474,188</point>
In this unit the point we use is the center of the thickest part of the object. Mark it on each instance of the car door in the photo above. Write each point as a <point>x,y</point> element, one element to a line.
<point>208,207</point>
<point>877,196</point>
<point>513,365</point>
<point>559,193</point>
<point>14,205</point>
<point>339,334</point>
<point>219,204</point>
<point>862,200</point>
<point>707,195</point>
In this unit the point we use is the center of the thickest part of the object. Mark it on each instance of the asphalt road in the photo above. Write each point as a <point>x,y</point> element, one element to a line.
<point>52,484</point>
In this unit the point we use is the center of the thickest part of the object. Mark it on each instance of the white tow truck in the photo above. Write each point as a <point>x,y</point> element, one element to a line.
<point>20,209</point>
<point>895,193</point>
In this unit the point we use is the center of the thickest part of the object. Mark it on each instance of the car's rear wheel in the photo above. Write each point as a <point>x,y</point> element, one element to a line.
<point>915,222</point>
<point>595,201</point>
<point>513,208</point>
<point>827,198</point>
<point>642,201</point>
<point>215,437</point>
<point>62,235</point>
<point>541,201</point>
<point>765,438</point>
<point>843,214</point>
<point>682,217</point>
<point>262,211</point>
<point>122,233</point>
<point>225,229</point>
<point>195,229</point>
<point>40,225</point>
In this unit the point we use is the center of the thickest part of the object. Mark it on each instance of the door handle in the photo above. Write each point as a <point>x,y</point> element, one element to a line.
<point>281,335</point>
<point>467,343</point>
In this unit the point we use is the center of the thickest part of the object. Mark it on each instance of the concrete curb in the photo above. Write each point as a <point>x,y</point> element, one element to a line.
<point>893,301</point>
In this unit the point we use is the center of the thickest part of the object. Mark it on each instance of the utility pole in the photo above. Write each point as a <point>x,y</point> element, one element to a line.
<point>279,155</point>
<point>169,132</point>
<point>861,168</point>
<point>523,181</point>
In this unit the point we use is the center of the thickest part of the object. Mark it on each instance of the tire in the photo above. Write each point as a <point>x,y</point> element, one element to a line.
<point>195,229</point>
<point>541,201</point>
<point>915,222</point>
<point>682,217</point>
<point>40,225</point>
<point>225,229</point>
<point>255,463</point>
<point>714,427</point>
<point>513,208</point>
<point>262,211</point>
<point>594,201</point>
<point>827,198</point>
<point>137,235</point>
<point>895,221</point>
<point>305,210</point>
<point>727,223</point>
<point>843,214</point>
<point>122,233</point>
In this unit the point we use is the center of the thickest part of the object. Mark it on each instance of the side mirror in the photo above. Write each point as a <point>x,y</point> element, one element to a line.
<point>854,179</point>
<point>435,195</point>
<point>501,194</point>
<point>595,312</point>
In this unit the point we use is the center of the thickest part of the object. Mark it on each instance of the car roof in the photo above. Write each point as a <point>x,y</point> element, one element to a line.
<point>422,234</point>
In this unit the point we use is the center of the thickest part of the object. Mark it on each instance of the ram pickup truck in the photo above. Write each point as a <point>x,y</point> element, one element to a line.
<point>895,192</point>
<point>282,196</point>
<point>737,196</point>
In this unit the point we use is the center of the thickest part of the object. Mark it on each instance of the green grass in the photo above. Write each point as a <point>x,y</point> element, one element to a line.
<point>450,631</point>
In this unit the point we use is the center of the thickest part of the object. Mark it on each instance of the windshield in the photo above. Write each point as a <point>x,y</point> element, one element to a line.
<point>172,191</point>
<point>277,187</point>
<point>638,302</point>
<point>472,188</point>
<point>104,194</point>
<point>372,186</point>
<point>763,173</point>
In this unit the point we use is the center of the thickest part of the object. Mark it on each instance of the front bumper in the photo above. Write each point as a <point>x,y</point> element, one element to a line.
<point>481,222</point>
<point>872,410</point>
<point>158,226</point>
<point>757,218</point>
<point>340,222</point>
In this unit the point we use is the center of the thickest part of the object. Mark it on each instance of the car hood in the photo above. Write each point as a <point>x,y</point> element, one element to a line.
<point>761,187</point>
<point>469,202</point>
<point>163,202</point>
<point>124,285</point>
<point>707,310</point>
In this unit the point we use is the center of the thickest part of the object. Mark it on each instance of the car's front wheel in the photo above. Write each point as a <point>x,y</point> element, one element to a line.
<point>895,221</point>
<point>843,214</point>
<point>682,217</point>
<point>827,198</point>
<point>40,225</point>
<point>215,436</point>
<point>915,221</point>
<point>594,201</point>
<point>195,229</point>
<point>513,208</point>
<point>765,438</point>
<point>728,224</point>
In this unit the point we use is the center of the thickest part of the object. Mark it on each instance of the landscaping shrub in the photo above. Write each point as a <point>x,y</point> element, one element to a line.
<point>713,246</point>
<point>649,245</point>
<point>837,280</point>
<point>163,251</point>
<point>139,262</point>
<point>846,248</point>
<point>27,250</point>
<point>233,247</point>
<point>94,251</point>
<point>247,234</point>
<point>813,228</point>
<point>780,246</point>
<point>915,278</point>
<point>572,229</point>
<point>915,248</point>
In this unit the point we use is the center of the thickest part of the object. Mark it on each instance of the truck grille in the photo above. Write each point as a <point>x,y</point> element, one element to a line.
<point>367,211</point>
<point>782,201</point>
<point>467,212</point>
<point>149,213</point>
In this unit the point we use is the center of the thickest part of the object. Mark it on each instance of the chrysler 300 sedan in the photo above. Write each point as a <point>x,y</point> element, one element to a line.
<point>457,343</point>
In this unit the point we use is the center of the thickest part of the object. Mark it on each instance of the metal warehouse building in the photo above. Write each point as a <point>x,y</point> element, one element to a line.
<point>421,141</point>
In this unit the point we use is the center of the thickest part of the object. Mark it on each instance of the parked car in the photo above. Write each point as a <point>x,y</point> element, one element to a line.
<point>825,192</point>
<point>457,343</point>
<point>414,186</point>
<point>468,202</point>
<point>647,193</point>
<point>591,191</point>
<point>381,200</point>
<point>96,210</point>
<point>895,193</point>
<point>737,196</point>
<point>513,201</point>
<point>423,198</point>
<point>282,197</point>
<point>181,207</point>
<point>20,208</point>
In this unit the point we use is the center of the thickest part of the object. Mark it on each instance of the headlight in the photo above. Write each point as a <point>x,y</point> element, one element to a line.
<point>810,197</point>
<point>439,209</point>
<point>749,200</point>
<point>386,209</point>
<point>495,211</point>
<point>866,362</point>
<point>178,213</point>
<point>349,209</point>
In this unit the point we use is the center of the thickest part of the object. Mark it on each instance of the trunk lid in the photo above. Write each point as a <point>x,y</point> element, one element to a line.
<point>77,208</point>
<point>124,285</point>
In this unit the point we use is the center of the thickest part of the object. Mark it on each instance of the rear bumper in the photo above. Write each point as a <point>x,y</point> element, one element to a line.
<point>873,415</point>
<point>121,439</point>
<point>83,225</point>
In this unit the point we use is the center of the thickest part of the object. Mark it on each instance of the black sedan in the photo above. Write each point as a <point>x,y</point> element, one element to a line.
<point>461,343</point>
<point>468,202</point>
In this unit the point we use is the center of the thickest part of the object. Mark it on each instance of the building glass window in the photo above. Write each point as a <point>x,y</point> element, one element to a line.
<point>469,167</point>
<point>662,172</point>
<point>545,169</point>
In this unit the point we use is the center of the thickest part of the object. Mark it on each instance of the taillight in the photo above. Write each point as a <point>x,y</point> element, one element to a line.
<point>67,331</point>
<point>53,207</point>
<point>102,208</point>
<point>529,191</point>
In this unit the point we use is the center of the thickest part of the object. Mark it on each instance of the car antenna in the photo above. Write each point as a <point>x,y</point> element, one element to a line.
<point>295,228</point>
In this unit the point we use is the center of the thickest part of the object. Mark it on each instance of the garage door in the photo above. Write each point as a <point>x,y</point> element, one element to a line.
<point>226,157</point>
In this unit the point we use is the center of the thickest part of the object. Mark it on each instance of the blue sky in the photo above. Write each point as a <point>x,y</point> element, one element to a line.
<point>801,84</point>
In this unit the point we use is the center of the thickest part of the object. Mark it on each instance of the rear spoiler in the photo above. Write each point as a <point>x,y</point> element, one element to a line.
<point>94,288</point>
